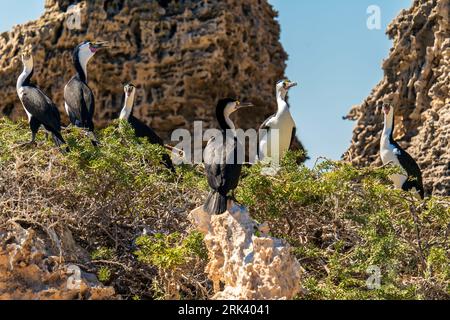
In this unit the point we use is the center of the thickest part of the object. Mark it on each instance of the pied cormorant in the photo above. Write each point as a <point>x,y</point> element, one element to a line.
<point>78,97</point>
<point>39,108</point>
<point>392,153</point>
<point>140,128</point>
<point>223,169</point>
<point>283,122</point>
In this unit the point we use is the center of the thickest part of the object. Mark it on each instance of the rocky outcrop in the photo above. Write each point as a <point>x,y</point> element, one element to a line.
<point>244,260</point>
<point>182,56</point>
<point>33,266</point>
<point>417,84</point>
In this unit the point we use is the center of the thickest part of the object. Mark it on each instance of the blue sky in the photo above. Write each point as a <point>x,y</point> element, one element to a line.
<point>337,61</point>
<point>332,54</point>
<point>19,11</point>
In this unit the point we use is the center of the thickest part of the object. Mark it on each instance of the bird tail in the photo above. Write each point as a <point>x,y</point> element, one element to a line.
<point>421,190</point>
<point>216,203</point>
<point>416,185</point>
<point>419,187</point>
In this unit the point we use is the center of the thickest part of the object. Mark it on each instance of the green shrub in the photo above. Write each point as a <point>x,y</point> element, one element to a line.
<point>106,196</point>
<point>103,253</point>
<point>170,252</point>
<point>104,274</point>
<point>340,220</point>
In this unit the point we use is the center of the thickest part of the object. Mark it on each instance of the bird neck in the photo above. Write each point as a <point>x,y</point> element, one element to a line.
<point>81,66</point>
<point>25,77</point>
<point>128,107</point>
<point>225,122</point>
<point>388,130</point>
<point>281,101</point>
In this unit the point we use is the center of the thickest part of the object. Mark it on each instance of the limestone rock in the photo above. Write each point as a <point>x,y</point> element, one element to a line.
<point>181,55</point>
<point>33,267</point>
<point>417,83</point>
<point>249,266</point>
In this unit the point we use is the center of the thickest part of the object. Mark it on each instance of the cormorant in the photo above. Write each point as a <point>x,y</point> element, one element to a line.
<point>281,121</point>
<point>222,167</point>
<point>392,153</point>
<point>39,107</point>
<point>141,129</point>
<point>79,99</point>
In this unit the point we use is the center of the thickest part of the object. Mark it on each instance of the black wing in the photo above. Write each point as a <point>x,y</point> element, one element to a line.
<point>411,167</point>
<point>144,131</point>
<point>408,163</point>
<point>223,175</point>
<point>81,104</point>
<point>41,107</point>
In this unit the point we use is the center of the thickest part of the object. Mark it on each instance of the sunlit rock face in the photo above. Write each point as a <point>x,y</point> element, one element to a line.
<point>245,263</point>
<point>34,265</point>
<point>417,84</point>
<point>182,56</point>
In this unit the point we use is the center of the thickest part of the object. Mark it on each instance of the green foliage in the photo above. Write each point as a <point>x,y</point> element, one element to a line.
<point>170,252</point>
<point>103,253</point>
<point>176,257</point>
<point>105,195</point>
<point>340,220</point>
<point>104,274</point>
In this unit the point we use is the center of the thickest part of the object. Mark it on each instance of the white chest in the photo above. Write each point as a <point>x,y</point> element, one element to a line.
<point>277,141</point>
<point>21,92</point>
<point>389,156</point>
<point>389,153</point>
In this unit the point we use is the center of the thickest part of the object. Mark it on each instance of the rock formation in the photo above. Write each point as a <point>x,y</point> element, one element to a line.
<point>417,84</point>
<point>182,56</point>
<point>33,267</point>
<point>245,260</point>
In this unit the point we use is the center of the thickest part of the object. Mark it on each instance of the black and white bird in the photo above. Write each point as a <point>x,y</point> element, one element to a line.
<point>140,128</point>
<point>392,154</point>
<point>39,108</point>
<point>278,132</point>
<point>223,159</point>
<point>78,97</point>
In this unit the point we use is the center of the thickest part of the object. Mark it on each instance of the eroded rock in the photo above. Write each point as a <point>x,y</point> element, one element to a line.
<point>182,56</point>
<point>34,265</point>
<point>244,262</point>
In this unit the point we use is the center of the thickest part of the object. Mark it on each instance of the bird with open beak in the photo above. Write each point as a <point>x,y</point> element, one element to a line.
<point>78,97</point>
<point>278,132</point>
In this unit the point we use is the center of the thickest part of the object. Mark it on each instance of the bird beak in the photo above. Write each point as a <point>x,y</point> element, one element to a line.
<point>291,85</point>
<point>241,105</point>
<point>98,45</point>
